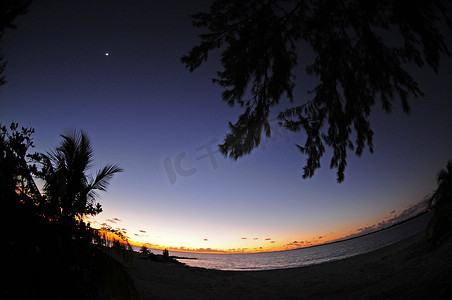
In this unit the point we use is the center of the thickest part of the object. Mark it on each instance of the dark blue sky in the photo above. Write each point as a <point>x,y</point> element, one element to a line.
<point>145,111</point>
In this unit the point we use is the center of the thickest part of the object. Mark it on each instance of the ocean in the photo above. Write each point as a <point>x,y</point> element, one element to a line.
<point>306,256</point>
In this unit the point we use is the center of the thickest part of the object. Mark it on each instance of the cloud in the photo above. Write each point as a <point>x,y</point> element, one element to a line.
<point>114,220</point>
<point>244,238</point>
<point>294,243</point>
<point>141,233</point>
<point>206,240</point>
<point>268,239</point>
<point>255,238</point>
<point>272,242</point>
<point>199,250</point>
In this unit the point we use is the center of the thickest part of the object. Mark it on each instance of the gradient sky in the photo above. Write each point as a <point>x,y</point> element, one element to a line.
<point>146,112</point>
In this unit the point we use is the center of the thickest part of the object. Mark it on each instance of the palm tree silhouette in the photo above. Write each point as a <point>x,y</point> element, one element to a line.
<point>70,191</point>
<point>441,224</point>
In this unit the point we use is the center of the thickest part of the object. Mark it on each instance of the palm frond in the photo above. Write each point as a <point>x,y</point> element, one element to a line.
<point>85,150</point>
<point>104,176</point>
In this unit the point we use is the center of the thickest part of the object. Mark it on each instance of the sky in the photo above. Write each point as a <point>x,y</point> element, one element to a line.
<point>143,110</point>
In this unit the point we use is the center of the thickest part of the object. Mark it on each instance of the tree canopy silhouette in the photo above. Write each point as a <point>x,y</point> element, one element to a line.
<point>18,191</point>
<point>9,10</point>
<point>444,192</point>
<point>442,203</point>
<point>46,234</point>
<point>362,49</point>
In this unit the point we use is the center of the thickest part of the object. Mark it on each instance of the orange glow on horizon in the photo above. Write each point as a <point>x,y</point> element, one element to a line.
<point>264,245</point>
<point>275,247</point>
<point>232,242</point>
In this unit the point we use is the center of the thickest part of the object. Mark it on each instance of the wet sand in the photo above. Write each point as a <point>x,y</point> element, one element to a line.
<point>409,269</point>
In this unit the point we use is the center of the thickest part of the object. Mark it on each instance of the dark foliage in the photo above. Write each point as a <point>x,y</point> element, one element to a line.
<point>48,257</point>
<point>70,191</point>
<point>440,226</point>
<point>362,49</point>
<point>9,10</point>
<point>16,183</point>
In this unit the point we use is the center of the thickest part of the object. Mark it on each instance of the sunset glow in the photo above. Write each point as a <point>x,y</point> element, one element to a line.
<point>143,110</point>
<point>229,242</point>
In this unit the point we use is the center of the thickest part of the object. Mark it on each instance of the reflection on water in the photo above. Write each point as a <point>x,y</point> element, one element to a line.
<point>306,256</point>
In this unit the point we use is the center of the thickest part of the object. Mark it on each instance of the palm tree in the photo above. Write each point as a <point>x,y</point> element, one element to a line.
<point>441,224</point>
<point>144,250</point>
<point>70,191</point>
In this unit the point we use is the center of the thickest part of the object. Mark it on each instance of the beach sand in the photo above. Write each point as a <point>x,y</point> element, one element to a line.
<point>409,269</point>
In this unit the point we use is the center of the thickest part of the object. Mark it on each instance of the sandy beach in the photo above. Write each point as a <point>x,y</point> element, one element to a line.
<point>409,269</point>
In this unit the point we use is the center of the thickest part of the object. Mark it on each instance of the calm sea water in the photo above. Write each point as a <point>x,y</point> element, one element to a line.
<point>306,256</point>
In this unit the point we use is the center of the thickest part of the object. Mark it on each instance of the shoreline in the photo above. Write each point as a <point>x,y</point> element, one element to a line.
<point>365,234</point>
<point>300,248</point>
<point>408,268</point>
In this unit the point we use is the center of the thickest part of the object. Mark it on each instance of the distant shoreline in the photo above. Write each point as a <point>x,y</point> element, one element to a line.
<point>410,268</point>
<point>307,247</point>
<point>366,234</point>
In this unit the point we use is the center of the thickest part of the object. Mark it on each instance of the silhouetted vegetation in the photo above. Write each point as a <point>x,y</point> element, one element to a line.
<point>115,242</point>
<point>144,250</point>
<point>440,226</point>
<point>70,192</point>
<point>48,241</point>
<point>165,253</point>
<point>164,257</point>
<point>360,49</point>
<point>9,11</point>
